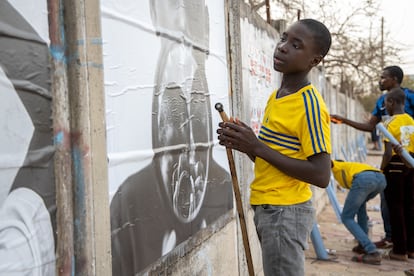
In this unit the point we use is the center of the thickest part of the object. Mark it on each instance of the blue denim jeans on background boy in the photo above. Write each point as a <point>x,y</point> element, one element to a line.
<point>365,186</point>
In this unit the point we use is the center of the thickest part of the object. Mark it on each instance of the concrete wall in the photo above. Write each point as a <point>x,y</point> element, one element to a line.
<point>258,40</point>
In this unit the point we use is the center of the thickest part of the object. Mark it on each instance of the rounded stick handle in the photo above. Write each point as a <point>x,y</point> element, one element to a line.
<point>223,115</point>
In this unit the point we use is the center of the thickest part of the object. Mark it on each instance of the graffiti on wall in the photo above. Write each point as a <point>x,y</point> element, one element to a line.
<point>260,78</point>
<point>164,70</point>
<point>27,192</point>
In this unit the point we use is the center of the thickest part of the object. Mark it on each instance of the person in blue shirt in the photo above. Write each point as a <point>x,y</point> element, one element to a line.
<point>396,75</point>
<point>391,77</point>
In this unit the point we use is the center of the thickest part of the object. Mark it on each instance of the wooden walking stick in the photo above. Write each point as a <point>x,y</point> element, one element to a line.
<point>236,190</point>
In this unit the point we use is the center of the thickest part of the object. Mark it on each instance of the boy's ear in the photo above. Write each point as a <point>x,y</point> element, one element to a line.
<point>316,60</point>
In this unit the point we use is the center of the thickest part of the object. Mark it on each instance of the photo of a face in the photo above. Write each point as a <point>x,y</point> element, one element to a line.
<point>181,105</point>
<point>183,189</point>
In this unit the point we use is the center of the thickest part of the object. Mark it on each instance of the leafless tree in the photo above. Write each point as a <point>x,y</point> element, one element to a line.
<point>360,46</point>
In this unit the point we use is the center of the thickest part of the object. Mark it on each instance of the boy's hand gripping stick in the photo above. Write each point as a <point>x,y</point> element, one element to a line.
<point>237,195</point>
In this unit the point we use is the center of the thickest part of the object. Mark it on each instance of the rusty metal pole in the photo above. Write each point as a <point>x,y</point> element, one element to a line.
<point>61,130</point>
<point>268,19</point>
<point>92,244</point>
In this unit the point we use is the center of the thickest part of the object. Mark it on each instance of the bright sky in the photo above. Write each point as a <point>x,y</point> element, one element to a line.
<point>399,21</point>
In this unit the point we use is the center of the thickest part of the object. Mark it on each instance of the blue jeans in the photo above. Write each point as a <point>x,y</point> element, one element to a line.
<point>365,186</point>
<point>283,232</point>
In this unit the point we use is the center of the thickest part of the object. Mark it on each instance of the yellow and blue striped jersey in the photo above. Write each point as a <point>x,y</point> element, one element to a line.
<point>297,126</point>
<point>401,126</point>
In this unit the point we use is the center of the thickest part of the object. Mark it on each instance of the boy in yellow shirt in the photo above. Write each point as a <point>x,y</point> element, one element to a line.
<point>292,150</point>
<point>364,183</point>
<point>399,193</point>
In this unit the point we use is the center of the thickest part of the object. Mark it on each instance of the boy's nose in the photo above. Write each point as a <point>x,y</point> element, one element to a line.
<point>281,47</point>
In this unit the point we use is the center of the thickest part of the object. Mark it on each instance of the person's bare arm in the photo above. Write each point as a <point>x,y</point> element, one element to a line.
<point>316,170</point>
<point>386,157</point>
<point>364,126</point>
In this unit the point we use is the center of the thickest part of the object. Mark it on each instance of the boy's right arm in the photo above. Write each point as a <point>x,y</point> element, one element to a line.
<point>316,170</point>
<point>366,126</point>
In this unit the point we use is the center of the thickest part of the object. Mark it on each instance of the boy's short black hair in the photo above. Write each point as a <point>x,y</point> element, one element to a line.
<point>396,72</point>
<point>396,94</point>
<point>321,34</point>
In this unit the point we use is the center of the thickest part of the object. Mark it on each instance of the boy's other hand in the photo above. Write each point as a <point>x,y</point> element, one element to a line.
<point>398,149</point>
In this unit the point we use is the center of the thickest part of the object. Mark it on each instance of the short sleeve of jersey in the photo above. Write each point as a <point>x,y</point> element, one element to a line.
<point>315,124</point>
<point>379,109</point>
<point>409,102</point>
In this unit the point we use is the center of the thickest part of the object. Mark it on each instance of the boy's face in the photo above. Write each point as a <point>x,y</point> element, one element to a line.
<point>295,52</point>
<point>387,81</point>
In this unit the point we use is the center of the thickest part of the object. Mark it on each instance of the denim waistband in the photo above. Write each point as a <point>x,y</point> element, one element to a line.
<point>367,171</point>
<point>266,206</point>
